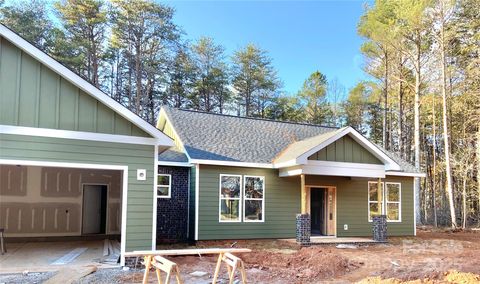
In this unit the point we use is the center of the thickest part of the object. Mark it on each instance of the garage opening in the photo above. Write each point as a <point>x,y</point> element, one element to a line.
<point>39,202</point>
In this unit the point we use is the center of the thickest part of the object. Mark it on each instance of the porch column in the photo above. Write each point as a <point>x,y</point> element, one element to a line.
<point>303,190</point>
<point>379,222</point>
<point>303,219</point>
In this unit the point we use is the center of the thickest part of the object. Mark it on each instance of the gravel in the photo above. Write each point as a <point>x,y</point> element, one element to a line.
<point>28,278</point>
<point>106,275</point>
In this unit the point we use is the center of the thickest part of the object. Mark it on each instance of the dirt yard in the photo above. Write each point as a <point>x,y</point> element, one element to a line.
<point>431,257</point>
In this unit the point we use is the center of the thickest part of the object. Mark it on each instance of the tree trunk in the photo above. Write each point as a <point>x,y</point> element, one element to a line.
<point>400,110</point>
<point>385,105</point>
<point>138,74</point>
<point>417,130</point>
<point>464,225</point>
<point>445,125</point>
<point>434,155</point>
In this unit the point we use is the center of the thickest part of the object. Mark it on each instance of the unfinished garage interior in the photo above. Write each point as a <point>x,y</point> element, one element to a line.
<point>40,201</point>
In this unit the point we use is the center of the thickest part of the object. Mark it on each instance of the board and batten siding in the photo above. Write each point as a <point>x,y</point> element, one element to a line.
<point>32,95</point>
<point>140,193</point>
<point>352,205</point>
<point>282,203</point>
<point>345,149</point>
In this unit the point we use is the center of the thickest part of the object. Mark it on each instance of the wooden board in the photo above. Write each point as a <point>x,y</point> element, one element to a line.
<point>186,251</point>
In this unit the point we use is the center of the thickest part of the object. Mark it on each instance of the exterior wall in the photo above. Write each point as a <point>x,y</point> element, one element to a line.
<point>352,205</point>
<point>191,204</point>
<point>345,149</point>
<point>140,193</point>
<point>282,203</point>
<point>40,201</point>
<point>172,213</point>
<point>32,95</point>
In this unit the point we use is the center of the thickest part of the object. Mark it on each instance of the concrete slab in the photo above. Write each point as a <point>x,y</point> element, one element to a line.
<point>333,240</point>
<point>39,256</point>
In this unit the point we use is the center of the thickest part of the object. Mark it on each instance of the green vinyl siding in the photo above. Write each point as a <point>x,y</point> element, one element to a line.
<point>352,205</point>
<point>32,95</point>
<point>282,203</point>
<point>140,193</point>
<point>345,149</point>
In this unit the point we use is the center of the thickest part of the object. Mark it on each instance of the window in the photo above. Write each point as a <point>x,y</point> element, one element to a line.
<point>164,183</point>
<point>373,196</point>
<point>390,200</point>
<point>254,198</point>
<point>230,187</point>
<point>393,201</point>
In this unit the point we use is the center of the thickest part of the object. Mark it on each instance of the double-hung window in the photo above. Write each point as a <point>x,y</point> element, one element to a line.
<point>254,199</point>
<point>164,185</point>
<point>386,201</point>
<point>230,195</point>
<point>242,198</point>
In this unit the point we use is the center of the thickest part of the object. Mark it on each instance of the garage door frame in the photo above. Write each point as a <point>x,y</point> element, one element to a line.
<point>124,169</point>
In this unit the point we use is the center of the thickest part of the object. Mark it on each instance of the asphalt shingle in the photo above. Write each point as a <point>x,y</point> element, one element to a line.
<point>208,136</point>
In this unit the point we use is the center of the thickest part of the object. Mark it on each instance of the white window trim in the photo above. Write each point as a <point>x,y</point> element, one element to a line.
<point>399,202</point>
<point>262,199</point>
<point>368,196</point>
<point>164,186</point>
<point>384,200</point>
<point>220,200</point>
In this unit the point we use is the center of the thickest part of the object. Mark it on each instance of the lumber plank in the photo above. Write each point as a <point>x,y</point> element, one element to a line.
<point>174,252</point>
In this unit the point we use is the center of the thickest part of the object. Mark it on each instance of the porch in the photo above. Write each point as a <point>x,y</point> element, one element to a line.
<point>332,240</point>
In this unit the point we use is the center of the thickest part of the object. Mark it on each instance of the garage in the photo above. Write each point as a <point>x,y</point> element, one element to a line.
<point>74,163</point>
<point>40,201</point>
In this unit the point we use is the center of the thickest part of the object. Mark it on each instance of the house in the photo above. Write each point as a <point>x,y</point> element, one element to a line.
<point>73,162</point>
<point>249,178</point>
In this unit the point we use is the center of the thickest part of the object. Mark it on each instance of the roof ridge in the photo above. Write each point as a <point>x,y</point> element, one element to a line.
<point>252,118</point>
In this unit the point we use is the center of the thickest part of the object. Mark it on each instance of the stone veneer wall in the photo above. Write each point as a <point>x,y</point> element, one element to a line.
<point>172,213</point>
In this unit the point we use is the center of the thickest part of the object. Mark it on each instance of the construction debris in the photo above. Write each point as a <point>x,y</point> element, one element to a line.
<point>111,252</point>
<point>346,246</point>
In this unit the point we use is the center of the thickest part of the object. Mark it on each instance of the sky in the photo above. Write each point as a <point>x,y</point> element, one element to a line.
<point>300,36</point>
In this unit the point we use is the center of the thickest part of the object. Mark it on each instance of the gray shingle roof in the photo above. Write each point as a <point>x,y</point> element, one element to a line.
<point>208,136</point>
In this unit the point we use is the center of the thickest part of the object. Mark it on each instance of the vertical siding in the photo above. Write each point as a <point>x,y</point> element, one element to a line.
<point>352,205</point>
<point>32,95</point>
<point>282,203</point>
<point>140,193</point>
<point>347,150</point>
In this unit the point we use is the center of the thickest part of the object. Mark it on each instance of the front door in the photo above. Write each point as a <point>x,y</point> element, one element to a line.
<point>322,211</point>
<point>317,211</point>
<point>94,209</point>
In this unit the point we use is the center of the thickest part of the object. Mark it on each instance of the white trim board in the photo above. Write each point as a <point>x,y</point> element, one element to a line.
<point>328,168</point>
<point>83,85</point>
<point>197,197</point>
<point>77,135</point>
<point>124,169</point>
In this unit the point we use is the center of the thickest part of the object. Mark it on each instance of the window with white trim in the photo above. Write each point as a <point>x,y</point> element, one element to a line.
<point>230,195</point>
<point>393,201</point>
<point>253,198</point>
<point>164,185</point>
<point>390,200</point>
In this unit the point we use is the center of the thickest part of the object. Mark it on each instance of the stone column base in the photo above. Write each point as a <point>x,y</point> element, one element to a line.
<point>379,227</point>
<point>303,229</point>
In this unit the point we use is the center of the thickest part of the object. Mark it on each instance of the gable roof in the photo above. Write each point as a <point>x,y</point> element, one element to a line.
<point>228,140</point>
<point>75,79</point>
<point>298,152</point>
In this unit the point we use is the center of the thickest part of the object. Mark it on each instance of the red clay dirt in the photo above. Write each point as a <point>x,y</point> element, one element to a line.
<point>434,256</point>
